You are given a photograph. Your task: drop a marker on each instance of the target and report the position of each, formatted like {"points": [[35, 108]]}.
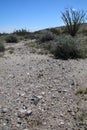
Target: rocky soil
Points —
{"points": [[38, 92]]}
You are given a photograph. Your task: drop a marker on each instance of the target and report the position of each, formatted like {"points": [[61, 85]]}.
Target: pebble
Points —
{"points": [[28, 112], [4, 110], [65, 90], [40, 97], [27, 73], [61, 123], [44, 123], [35, 100], [43, 93]]}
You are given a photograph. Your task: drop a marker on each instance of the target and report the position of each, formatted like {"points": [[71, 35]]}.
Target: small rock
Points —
{"points": [[61, 123], [40, 97], [72, 82], [27, 73], [35, 100], [4, 124], [22, 112], [40, 75], [63, 68], [42, 93], [11, 76], [18, 125], [22, 94], [44, 123], [73, 114], [59, 91], [65, 90], [69, 110], [4, 110], [28, 112], [61, 115]]}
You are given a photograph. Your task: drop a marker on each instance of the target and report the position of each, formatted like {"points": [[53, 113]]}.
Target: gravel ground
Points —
{"points": [[37, 92]]}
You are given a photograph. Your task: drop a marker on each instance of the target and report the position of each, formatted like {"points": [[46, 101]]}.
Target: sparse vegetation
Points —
{"points": [[21, 32], [46, 36], [2, 47], [11, 39], [68, 48], [82, 116], [11, 50], [81, 91], [31, 44], [33, 122]]}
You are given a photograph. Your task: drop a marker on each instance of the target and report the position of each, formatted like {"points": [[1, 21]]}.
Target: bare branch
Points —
{"points": [[73, 19]]}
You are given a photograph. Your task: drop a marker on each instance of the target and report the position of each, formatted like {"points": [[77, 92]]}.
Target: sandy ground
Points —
{"points": [[37, 92]]}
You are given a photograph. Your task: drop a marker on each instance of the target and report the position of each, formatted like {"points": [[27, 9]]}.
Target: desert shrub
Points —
{"points": [[55, 31], [21, 32], [10, 50], [46, 45], [2, 47], [81, 91], [46, 36], [29, 36], [68, 48], [11, 39]]}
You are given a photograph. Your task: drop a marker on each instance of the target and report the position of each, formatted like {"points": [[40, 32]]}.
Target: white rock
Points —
{"points": [[44, 123], [40, 97], [27, 73], [42, 93], [28, 112], [4, 110], [21, 110]]}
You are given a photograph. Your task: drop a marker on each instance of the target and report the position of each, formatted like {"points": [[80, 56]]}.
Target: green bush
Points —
{"points": [[11, 39], [2, 47], [68, 48], [46, 36]]}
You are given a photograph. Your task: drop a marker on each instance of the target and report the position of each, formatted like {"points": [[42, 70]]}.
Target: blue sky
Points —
{"points": [[34, 14]]}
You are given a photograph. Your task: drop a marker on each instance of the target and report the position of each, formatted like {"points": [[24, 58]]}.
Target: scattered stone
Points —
{"points": [[35, 100], [43, 93], [22, 111], [44, 123], [28, 112], [11, 76], [4, 110], [65, 90], [40, 75], [52, 82], [28, 73], [61, 123], [40, 97]]}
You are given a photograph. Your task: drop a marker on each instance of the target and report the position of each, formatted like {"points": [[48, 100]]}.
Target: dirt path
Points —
{"points": [[37, 92]]}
